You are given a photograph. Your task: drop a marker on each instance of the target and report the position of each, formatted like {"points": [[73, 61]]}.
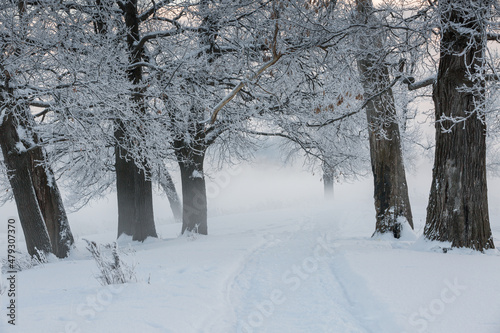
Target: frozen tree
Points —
{"points": [[298, 91], [392, 203], [224, 36], [133, 181], [142, 72], [463, 91], [458, 203], [317, 109], [318, 101], [24, 41], [132, 85], [102, 115]]}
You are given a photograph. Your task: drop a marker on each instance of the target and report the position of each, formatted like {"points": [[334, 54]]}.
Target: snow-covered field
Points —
{"points": [[277, 259]]}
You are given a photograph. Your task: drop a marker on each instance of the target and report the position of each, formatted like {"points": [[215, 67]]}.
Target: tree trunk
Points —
{"points": [[144, 223], [47, 193], [190, 157], [458, 203], [392, 203], [135, 199], [125, 190], [168, 186], [18, 163], [194, 198], [133, 184], [328, 182], [51, 204]]}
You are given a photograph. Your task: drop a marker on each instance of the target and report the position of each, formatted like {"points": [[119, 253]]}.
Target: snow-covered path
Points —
{"points": [[312, 269], [299, 280], [289, 285]]}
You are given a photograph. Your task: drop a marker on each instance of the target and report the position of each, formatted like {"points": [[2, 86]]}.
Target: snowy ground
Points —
{"points": [[277, 260]]}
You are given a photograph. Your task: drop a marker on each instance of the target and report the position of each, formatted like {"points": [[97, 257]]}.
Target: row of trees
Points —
{"points": [[109, 92]]}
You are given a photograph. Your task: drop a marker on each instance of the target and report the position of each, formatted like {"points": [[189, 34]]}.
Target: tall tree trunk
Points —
{"points": [[392, 202], [144, 223], [194, 197], [135, 197], [50, 203], [191, 145], [125, 189], [133, 184], [19, 171], [458, 202], [190, 157], [168, 186]]}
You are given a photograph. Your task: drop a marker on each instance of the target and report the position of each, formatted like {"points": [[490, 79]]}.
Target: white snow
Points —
{"points": [[23, 137], [3, 112], [20, 147], [196, 174], [277, 259]]}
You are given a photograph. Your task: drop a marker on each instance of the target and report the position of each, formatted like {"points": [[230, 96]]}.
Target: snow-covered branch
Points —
{"points": [[240, 86], [152, 10], [412, 85]]}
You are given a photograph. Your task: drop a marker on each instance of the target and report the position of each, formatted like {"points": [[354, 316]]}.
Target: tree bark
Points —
{"points": [[135, 198], [194, 197], [47, 192], [19, 171], [125, 189], [392, 203], [190, 157], [133, 184], [50, 202], [144, 222], [458, 202]]}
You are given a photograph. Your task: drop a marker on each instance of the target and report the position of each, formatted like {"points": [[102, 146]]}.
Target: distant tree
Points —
{"points": [[328, 181]]}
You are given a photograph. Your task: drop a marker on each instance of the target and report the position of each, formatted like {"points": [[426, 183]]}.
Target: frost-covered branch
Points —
{"points": [[240, 86], [412, 85], [153, 9]]}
